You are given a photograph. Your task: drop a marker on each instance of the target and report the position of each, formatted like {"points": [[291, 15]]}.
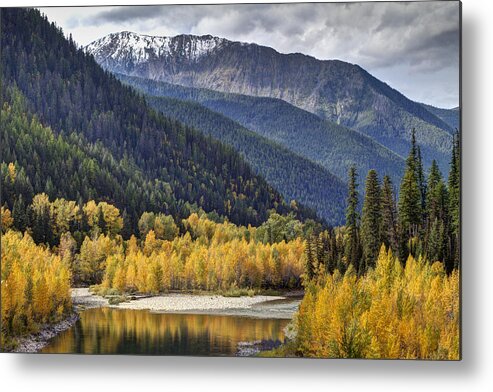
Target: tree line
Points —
{"points": [[422, 221]]}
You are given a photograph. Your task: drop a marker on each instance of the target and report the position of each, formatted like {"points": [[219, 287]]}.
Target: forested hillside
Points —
{"points": [[159, 164], [316, 188], [334, 147], [450, 116]]}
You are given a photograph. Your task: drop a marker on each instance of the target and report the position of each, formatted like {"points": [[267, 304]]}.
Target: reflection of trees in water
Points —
{"points": [[109, 331]]}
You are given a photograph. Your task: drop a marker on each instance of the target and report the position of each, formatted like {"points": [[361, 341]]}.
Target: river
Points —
{"points": [[108, 330]]}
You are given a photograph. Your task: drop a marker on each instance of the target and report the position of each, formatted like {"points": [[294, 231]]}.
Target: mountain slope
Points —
{"points": [[332, 146], [341, 92], [449, 116], [297, 178], [68, 91]]}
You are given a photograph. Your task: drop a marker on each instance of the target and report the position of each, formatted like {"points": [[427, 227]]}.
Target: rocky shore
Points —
{"points": [[82, 298], [251, 349], [35, 342]]}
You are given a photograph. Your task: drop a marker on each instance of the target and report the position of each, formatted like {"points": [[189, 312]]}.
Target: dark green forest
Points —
{"points": [[449, 116], [335, 147], [88, 136], [316, 188]]}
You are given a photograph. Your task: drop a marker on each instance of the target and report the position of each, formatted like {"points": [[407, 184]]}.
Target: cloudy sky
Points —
{"points": [[414, 47]]}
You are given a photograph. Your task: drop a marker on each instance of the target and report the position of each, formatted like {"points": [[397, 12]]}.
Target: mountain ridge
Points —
{"points": [[332, 146], [334, 90], [216, 44]]}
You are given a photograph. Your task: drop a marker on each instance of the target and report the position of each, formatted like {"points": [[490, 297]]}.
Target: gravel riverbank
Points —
{"points": [[189, 302], [173, 302]]}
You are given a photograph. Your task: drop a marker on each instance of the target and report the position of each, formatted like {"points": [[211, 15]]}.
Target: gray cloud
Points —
{"points": [[416, 37], [382, 35]]}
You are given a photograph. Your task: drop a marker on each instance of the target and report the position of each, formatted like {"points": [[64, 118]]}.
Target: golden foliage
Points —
{"points": [[391, 312], [91, 261], [219, 258], [7, 219], [35, 286]]}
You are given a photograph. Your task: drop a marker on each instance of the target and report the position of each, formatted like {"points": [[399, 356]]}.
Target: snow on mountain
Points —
{"points": [[136, 48]]}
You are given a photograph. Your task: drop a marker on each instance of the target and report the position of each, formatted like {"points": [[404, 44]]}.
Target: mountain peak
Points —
{"points": [[130, 47]]}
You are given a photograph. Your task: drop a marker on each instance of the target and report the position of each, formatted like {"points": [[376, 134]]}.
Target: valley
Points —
{"points": [[195, 195]]}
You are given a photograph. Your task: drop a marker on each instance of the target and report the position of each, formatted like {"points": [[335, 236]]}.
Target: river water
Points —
{"points": [[123, 331]]}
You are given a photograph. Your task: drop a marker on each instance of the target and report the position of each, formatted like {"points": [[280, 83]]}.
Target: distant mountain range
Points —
{"points": [[340, 92], [298, 121]]}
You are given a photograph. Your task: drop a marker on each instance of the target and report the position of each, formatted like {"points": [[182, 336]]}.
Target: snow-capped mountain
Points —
{"points": [[335, 90], [129, 49]]}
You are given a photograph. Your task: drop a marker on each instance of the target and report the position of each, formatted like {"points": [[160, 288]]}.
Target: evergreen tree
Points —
{"points": [[434, 178], [41, 219], [410, 203], [389, 230], [454, 186], [421, 181], [436, 246], [101, 221], [310, 258], [19, 214], [371, 220], [437, 218], [454, 201], [352, 246]]}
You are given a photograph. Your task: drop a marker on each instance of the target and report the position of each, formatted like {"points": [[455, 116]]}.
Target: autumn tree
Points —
{"points": [[7, 219]]}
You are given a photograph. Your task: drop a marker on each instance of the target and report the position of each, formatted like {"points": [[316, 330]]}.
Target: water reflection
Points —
{"points": [[119, 331]]}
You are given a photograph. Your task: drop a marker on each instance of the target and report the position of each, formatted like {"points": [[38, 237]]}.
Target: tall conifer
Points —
{"points": [[371, 220], [454, 200], [352, 248], [410, 202], [389, 230]]}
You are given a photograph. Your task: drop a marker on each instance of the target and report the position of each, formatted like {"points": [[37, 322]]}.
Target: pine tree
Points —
{"points": [[433, 179], [310, 258], [371, 220], [101, 221], [19, 214], [389, 229], [41, 219], [438, 221], [421, 181], [436, 246], [454, 201], [352, 246], [454, 185], [410, 203]]}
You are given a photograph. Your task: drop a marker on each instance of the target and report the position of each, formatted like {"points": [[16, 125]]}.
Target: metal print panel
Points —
{"points": [[270, 180]]}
